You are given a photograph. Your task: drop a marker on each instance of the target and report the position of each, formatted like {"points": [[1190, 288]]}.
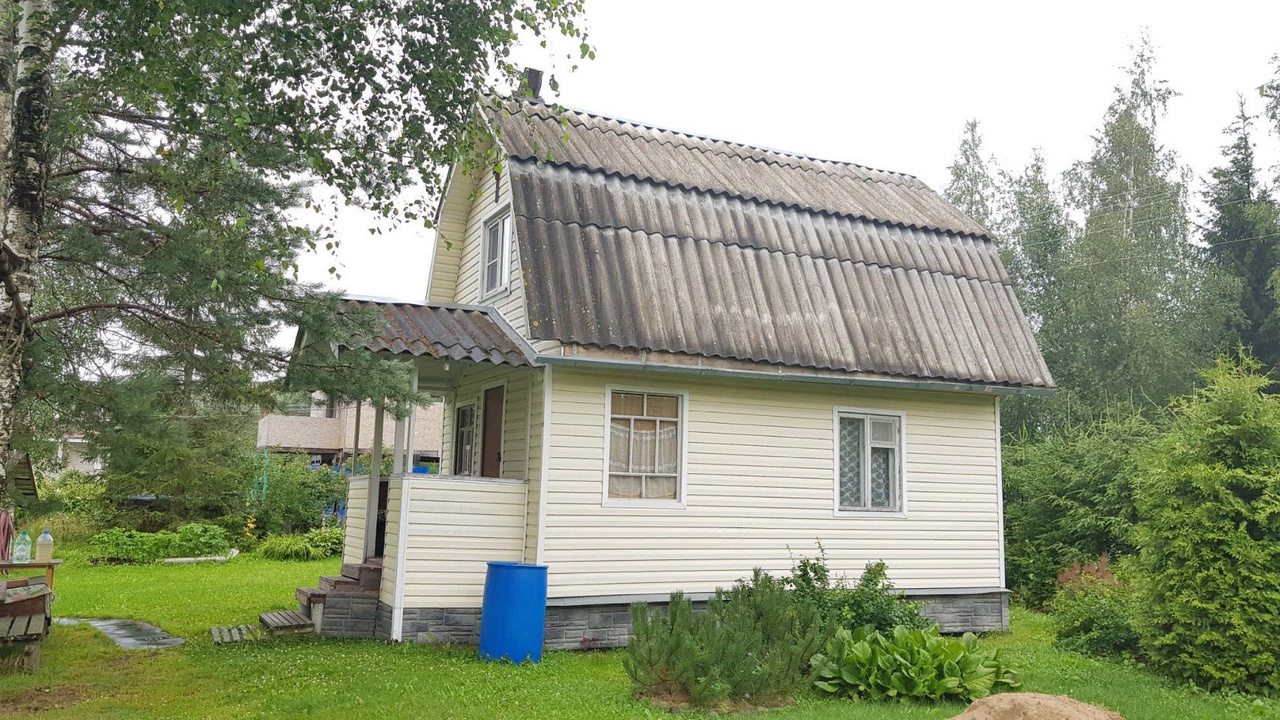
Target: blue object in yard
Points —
{"points": [[514, 612]]}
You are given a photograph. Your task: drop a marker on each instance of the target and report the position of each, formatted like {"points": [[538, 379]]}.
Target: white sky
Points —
{"points": [[888, 85]]}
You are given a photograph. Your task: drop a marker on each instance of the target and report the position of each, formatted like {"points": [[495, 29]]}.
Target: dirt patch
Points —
{"points": [[38, 699], [1034, 706]]}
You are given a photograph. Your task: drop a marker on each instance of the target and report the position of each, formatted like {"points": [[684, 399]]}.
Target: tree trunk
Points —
{"points": [[24, 130]]}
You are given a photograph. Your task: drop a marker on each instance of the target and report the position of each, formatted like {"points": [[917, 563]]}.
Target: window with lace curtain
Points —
{"points": [[644, 446], [868, 462]]}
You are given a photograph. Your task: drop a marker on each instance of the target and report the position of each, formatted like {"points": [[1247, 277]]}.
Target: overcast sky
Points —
{"points": [[888, 85]]}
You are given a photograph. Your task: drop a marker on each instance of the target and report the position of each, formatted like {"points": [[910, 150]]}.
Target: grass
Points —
{"points": [[86, 676]]}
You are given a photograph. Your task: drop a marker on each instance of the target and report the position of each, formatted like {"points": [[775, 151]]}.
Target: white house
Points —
{"points": [[668, 359]]}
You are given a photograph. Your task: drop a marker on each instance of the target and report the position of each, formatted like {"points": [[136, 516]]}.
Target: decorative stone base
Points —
{"points": [[585, 627], [982, 612], [349, 615]]}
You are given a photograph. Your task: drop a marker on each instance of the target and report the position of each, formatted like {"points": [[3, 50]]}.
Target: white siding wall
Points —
{"points": [[760, 460], [455, 271], [357, 502], [515, 426], [455, 527], [391, 552], [535, 467]]}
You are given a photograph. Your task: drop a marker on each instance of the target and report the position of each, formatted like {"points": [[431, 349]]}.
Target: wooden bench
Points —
{"points": [[24, 624]]}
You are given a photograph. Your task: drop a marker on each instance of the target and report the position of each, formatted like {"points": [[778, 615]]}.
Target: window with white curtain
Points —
{"points": [[869, 462], [644, 446], [464, 439]]}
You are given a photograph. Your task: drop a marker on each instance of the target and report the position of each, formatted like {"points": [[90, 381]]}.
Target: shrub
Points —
{"points": [[328, 541], [74, 493], [199, 540], [1069, 497], [871, 601], [289, 547], [1209, 502], [752, 645], [919, 664], [1094, 612], [295, 496], [120, 546]]}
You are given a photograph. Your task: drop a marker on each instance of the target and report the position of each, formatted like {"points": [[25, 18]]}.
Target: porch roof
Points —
{"points": [[447, 331]]}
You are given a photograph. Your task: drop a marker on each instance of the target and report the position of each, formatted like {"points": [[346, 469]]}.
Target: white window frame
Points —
{"points": [[475, 437], [867, 414], [501, 218], [681, 501]]}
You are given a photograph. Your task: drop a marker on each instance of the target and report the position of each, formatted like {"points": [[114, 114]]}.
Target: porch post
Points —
{"points": [[375, 478], [355, 441], [397, 448], [411, 427]]}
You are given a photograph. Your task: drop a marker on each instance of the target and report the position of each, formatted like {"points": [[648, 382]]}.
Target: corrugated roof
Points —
{"points": [[639, 238], [445, 331], [582, 140]]}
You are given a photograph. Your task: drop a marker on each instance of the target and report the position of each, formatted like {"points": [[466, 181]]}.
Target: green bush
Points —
{"points": [[120, 546], [329, 540], [1209, 501], [74, 493], [871, 601], [751, 645], [1094, 612], [289, 547], [917, 664], [1069, 497], [295, 496], [199, 540]]}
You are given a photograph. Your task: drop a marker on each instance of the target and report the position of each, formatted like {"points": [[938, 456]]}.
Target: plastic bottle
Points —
{"points": [[22, 548], [44, 547]]}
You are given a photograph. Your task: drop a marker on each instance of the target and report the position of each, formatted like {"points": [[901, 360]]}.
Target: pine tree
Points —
{"points": [[1244, 238]]}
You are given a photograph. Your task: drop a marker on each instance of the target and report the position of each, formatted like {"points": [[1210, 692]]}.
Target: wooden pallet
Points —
{"points": [[286, 621], [234, 633]]}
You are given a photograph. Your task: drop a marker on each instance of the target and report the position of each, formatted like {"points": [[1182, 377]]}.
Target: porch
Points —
{"points": [[421, 539]]}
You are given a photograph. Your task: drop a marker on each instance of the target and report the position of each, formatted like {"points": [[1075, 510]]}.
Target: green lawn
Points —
{"points": [[85, 676]]}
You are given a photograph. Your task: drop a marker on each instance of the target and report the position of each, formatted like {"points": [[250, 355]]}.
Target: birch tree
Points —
{"points": [[155, 208]]}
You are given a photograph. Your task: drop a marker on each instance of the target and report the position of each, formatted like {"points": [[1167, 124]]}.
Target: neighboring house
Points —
{"points": [[667, 360], [326, 431], [73, 453]]}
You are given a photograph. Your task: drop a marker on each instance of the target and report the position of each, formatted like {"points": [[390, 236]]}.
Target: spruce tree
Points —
{"points": [[1243, 237]]}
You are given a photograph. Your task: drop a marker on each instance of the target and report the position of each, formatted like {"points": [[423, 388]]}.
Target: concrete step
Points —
{"points": [[308, 596], [368, 575], [339, 583]]}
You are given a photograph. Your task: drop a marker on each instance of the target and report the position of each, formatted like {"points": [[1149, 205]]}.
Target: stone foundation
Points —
{"points": [[349, 615], [980, 612], [585, 627]]}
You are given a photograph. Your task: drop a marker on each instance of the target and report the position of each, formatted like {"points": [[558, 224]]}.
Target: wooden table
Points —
{"points": [[47, 566]]}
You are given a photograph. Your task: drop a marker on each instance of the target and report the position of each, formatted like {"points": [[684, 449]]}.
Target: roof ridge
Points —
{"points": [[769, 202], [732, 143], [773, 251]]}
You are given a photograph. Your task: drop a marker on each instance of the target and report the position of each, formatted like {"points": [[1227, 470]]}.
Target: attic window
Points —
{"points": [[495, 256], [868, 462]]}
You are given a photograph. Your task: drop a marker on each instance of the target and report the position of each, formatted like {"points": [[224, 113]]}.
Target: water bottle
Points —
{"points": [[44, 547], [22, 548]]}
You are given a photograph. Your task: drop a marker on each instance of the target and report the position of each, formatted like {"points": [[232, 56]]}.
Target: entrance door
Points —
{"points": [[491, 440], [380, 537]]}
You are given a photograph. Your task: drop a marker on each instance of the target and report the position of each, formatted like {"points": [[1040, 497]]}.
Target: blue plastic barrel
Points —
{"points": [[514, 612]]}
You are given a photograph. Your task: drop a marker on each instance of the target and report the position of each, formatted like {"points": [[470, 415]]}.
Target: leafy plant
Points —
{"points": [[329, 540], [120, 546], [1209, 565], [871, 601], [1094, 612], [199, 540], [289, 547], [751, 645], [919, 664]]}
